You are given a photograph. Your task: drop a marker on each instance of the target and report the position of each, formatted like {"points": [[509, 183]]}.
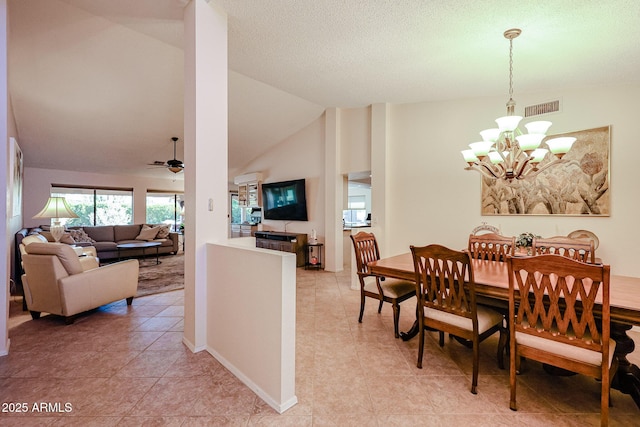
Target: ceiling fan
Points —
{"points": [[174, 165]]}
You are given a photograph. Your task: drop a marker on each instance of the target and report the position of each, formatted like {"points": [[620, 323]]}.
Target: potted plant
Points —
{"points": [[525, 241]]}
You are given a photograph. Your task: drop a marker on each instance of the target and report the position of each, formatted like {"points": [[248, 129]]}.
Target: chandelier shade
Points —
{"points": [[506, 152]]}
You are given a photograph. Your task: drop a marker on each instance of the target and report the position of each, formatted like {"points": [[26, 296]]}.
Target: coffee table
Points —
{"points": [[140, 245]]}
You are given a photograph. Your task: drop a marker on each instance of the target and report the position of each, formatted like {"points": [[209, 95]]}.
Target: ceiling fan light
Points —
{"points": [[175, 169]]}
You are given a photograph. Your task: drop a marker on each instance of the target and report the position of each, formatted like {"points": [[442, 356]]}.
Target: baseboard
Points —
{"points": [[278, 407]]}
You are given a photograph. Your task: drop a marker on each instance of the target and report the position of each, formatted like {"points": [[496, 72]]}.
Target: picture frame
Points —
{"points": [[580, 186], [16, 177]]}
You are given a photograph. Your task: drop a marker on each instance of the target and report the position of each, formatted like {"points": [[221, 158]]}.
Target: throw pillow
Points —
{"points": [[148, 233], [80, 236], [163, 231], [66, 237]]}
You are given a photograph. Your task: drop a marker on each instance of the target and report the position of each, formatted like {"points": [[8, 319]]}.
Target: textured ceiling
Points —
{"points": [[96, 85]]}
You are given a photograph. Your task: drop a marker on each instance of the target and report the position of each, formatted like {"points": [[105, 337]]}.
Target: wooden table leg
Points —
{"points": [[627, 379]]}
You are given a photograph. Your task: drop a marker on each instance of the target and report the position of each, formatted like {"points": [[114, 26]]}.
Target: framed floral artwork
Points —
{"points": [[579, 186]]}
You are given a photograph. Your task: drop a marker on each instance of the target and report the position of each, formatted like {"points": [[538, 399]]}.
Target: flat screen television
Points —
{"points": [[285, 200]]}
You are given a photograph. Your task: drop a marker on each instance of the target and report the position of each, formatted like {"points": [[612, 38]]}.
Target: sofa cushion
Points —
{"points": [[126, 232], [105, 246], [101, 233], [148, 233]]}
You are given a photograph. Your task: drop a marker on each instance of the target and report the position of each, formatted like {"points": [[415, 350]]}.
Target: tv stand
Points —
{"points": [[285, 242]]}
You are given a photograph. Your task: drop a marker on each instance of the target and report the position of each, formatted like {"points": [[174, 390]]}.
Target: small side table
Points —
{"points": [[314, 256]]}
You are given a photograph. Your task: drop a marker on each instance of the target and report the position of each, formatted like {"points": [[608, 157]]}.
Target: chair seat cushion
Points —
{"points": [[392, 288], [565, 350], [487, 318]]}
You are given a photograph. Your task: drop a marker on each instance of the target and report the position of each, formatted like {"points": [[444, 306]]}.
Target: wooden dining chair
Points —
{"points": [[491, 246], [447, 302], [577, 249], [551, 304], [383, 289]]}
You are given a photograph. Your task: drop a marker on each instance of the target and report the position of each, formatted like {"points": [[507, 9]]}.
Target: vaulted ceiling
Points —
{"points": [[96, 85]]}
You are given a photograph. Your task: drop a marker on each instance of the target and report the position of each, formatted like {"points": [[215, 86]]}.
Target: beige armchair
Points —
{"points": [[87, 254], [55, 281]]}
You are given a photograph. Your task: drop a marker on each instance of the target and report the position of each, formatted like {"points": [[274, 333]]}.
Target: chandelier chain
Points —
{"points": [[510, 68]]}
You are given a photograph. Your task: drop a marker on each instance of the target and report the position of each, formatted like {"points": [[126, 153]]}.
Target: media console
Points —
{"points": [[285, 242]]}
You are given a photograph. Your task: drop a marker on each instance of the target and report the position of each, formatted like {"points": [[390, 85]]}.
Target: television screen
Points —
{"points": [[285, 200]]}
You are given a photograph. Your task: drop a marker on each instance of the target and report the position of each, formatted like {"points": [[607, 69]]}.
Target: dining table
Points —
{"points": [[492, 287]]}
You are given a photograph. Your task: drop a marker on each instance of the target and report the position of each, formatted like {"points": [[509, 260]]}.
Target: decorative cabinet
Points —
{"points": [[284, 242], [254, 195], [249, 190], [243, 230], [243, 194]]}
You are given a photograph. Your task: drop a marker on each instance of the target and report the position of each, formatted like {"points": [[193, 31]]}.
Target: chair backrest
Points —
{"points": [[444, 279], [485, 228], [366, 250], [491, 246], [553, 297], [63, 252], [577, 249]]}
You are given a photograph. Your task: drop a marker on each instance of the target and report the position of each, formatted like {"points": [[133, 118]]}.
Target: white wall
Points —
{"points": [[37, 187], [440, 202], [299, 156], [355, 134], [251, 317]]}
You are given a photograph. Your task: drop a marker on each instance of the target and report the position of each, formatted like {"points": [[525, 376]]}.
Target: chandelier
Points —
{"points": [[507, 153]]}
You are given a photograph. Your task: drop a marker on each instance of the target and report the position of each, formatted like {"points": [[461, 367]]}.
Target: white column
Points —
{"points": [[205, 148], [379, 167], [5, 250], [333, 192]]}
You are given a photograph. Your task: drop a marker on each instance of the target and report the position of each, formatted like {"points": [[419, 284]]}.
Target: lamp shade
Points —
{"points": [[56, 207]]}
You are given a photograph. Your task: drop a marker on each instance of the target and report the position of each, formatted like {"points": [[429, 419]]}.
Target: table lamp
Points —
{"points": [[56, 208]]}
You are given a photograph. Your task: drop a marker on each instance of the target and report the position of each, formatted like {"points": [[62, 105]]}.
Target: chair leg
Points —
{"points": [[512, 379], [420, 342], [396, 318], [361, 307], [129, 300], [35, 315], [502, 345], [441, 338], [380, 306], [476, 364]]}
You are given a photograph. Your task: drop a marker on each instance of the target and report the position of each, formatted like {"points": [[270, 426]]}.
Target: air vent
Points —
{"points": [[544, 108]]}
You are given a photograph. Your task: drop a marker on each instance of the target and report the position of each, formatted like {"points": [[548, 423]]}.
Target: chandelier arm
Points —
{"points": [[556, 162], [484, 170], [523, 166]]}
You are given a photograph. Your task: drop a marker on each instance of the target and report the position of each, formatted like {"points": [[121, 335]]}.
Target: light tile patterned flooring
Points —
{"points": [[127, 366]]}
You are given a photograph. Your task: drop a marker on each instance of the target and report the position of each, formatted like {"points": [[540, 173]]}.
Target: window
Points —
{"points": [[165, 208], [357, 212], [97, 206]]}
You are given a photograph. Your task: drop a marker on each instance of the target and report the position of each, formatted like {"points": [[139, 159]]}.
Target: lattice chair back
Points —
{"points": [[491, 246], [577, 249]]}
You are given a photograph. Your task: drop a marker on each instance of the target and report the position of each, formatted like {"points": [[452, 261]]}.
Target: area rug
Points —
{"points": [[164, 277]]}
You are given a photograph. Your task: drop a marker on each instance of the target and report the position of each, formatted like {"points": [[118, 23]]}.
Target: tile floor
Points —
{"points": [[126, 366]]}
